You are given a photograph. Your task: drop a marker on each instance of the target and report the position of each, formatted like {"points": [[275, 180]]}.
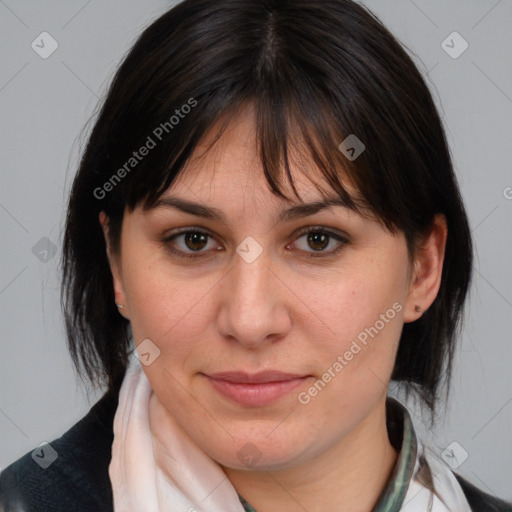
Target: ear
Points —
{"points": [[427, 270], [115, 268]]}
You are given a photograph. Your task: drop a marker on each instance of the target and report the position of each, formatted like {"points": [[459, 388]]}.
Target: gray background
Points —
{"points": [[44, 105]]}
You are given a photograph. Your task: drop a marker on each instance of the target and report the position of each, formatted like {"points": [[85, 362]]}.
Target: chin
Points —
{"points": [[258, 452]]}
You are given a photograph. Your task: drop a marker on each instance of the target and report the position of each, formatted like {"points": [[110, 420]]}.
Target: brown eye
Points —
{"points": [[195, 241], [318, 240], [191, 243]]}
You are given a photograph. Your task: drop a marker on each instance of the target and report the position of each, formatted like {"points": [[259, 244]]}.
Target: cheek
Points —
{"points": [[362, 317], [356, 303], [165, 307], [353, 362]]}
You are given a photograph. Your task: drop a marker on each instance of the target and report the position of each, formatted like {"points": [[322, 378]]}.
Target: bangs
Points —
{"points": [[287, 143]]}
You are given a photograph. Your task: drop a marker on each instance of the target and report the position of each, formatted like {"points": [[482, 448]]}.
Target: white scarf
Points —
{"points": [[197, 483], [139, 485], [448, 495]]}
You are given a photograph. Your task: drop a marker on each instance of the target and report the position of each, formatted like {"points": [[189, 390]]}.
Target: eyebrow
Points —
{"points": [[208, 212]]}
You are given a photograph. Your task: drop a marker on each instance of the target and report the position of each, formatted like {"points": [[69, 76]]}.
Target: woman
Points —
{"points": [[264, 230]]}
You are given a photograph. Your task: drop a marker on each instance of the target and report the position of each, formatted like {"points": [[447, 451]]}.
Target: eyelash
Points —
{"points": [[166, 242]]}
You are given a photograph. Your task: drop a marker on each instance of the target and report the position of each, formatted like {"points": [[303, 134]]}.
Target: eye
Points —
{"points": [[191, 243], [318, 239], [194, 243]]}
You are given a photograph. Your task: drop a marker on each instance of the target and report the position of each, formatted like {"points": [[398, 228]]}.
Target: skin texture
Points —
{"points": [[284, 311]]}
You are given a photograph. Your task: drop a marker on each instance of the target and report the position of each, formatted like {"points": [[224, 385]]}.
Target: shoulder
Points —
{"points": [[77, 479], [480, 501]]}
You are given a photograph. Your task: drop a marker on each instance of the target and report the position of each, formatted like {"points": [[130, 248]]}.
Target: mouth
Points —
{"points": [[255, 390]]}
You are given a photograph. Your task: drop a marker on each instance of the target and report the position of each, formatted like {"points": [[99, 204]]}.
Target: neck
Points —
{"points": [[349, 476]]}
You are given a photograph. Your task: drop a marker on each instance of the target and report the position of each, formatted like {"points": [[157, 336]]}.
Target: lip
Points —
{"points": [[257, 389]]}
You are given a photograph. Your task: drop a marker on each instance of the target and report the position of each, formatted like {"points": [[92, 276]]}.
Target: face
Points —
{"points": [[277, 336]]}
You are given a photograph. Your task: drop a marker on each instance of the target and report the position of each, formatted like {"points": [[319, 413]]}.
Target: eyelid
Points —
{"points": [[324, 229]]}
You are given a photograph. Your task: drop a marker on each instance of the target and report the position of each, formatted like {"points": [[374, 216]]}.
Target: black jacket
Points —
{"points": [[78, 480]]}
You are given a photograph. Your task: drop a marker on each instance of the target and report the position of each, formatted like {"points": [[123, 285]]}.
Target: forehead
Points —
{"points": [[228, 161]]}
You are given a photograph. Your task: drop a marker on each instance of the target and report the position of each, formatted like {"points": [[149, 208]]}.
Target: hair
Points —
{"points": [[315, 72]]}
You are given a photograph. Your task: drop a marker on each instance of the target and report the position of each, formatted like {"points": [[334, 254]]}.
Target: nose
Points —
{"points": [[254, 309]]}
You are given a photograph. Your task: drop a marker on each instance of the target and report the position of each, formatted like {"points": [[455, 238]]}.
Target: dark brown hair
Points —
{"points": [[315, 71]]}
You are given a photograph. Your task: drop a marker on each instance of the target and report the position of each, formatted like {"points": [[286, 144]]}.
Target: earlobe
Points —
{"points": [[427, 270]]}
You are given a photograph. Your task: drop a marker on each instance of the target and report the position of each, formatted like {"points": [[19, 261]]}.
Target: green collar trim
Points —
{"points": [[247, 507], [393, 495]]}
